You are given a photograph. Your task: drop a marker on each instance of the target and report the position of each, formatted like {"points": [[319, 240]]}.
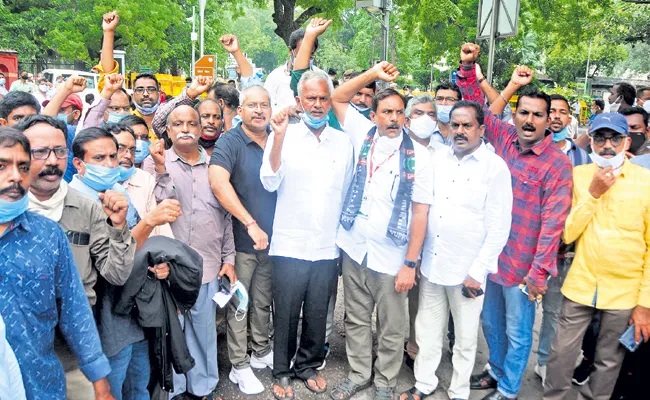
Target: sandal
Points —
{"points": [[347, 389], [414, 391], [285, 384], [315, 389], [384, 393]]}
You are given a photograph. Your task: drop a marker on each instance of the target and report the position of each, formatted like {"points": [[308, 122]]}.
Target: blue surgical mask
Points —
{"points": [[314, 123], [444, 113], [99, 177], [10, 210], [126, 173], [147, 110], [561, 135], [114, 118], [141, 151], [242, 295]]}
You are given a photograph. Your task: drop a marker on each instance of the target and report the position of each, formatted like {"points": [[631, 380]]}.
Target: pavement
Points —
{"points": [[336, 370]]}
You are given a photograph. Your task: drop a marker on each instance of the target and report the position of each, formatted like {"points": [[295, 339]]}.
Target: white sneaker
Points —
{"points": [[247, 381], [541, 372], [262, 362]]}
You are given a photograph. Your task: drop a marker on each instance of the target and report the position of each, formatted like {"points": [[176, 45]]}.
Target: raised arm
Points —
{"points": [[109, 24], [74, 84], [301, 64], [95, 114], [342, 95], [271, 173], [231, 44], [199, 85]]}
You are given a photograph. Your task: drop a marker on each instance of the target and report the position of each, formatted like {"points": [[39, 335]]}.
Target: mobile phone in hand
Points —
{"points": [[466, 292], [627, 339]]}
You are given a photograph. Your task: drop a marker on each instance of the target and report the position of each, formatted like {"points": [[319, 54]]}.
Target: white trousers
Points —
{"points": [[430, 328]]}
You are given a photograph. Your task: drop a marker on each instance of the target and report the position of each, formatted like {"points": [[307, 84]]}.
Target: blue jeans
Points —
{"points": [[508, 317], [130, 371]]}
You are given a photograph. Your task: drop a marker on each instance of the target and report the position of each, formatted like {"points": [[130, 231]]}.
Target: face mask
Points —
{"points": [[3, 81], [43, 88], [100, 178], [63, 118], [188, 85], [638, 138], [314, 123], [561, 135], [242, 295], [423, 127], [615, 162], [147, 110], [23, 77], [365, 111], [141, 151], [126, 173], [387, 145], [10, 210], [444, 113], [114, 118], [646, 105]]}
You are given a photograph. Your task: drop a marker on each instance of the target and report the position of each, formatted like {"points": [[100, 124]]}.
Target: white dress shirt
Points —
{"points": [[368, 233], [469, 222], [11, 381], [140, 188], [278, 85], [311, 183]]}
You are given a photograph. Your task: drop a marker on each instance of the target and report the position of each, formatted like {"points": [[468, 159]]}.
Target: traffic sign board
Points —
{"points": [[204, 66], [507, 12]]}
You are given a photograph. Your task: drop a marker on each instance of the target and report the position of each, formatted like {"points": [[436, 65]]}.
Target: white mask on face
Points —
{"points": [[646, 106], [615, 162], [423, 127], [386, 145], [43, 88]]}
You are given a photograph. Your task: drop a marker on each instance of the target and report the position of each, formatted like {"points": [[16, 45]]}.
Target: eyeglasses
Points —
{"points": [[121, 149], [447, 99], [44, 153], [601, 140], [117, 109], [252, 106], [150, 90]]}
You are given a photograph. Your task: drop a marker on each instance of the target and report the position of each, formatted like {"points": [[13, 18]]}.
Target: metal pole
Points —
{"points": [[202, 19], [387, 7], [587, 71], [493, 34], [431, 79], [193, 41]]}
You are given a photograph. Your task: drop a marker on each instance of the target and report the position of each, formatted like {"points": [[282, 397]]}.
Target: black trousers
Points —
{"points": [[306, 285]]}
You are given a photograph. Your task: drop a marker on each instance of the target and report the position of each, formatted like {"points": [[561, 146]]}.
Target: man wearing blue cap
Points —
{"points": [[610, 220]]}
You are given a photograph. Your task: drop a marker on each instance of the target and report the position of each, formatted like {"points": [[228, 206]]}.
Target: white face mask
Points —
{"points": [[43, 88], [646, 105], [386, 145], [615, 162], [423, 127]]}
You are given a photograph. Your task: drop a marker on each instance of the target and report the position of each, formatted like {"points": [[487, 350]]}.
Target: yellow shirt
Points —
{"points": [[612, 262]]}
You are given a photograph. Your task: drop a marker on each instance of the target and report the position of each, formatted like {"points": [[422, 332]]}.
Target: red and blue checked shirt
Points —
{"points": [[542, 188]]}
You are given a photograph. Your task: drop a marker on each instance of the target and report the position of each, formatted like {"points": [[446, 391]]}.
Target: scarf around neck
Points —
{"points": [[397, 229], [51, 208]]}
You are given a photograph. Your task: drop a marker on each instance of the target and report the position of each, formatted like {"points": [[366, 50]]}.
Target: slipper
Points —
{"points": [[284, 383], [315, 379], [413, 391]]}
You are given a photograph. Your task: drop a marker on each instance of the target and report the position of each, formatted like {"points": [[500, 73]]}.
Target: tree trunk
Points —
{"points": [[284, 11]]}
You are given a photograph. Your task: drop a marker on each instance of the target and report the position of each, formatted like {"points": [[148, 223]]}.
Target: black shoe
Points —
{"points": [[496, 395], [482, 381], [582, 372]]}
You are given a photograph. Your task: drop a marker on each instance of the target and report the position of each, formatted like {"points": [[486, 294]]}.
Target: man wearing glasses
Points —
{"points": [[610, 219], [447, 95]]}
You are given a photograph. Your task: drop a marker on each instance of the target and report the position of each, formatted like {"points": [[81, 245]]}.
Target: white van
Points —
{"points": [[91, 78]]}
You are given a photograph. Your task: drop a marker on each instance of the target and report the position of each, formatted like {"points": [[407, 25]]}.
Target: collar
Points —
{"points": [[325, 135], [478, 153], [540, 147], [20, 221], [173, 156], [73, 199], [134, 180], [239, 130]]}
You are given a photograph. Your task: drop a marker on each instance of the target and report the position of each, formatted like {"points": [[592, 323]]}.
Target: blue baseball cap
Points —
{"points": [[614, 121]]}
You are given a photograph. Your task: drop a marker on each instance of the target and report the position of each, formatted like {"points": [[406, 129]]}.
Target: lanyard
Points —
{"points": [[373, 170]]}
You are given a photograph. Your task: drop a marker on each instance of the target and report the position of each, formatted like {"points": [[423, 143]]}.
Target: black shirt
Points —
{"points": [[242, 157]]}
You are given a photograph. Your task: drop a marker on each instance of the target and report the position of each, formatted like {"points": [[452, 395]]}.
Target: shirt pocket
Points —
{"points": [[35, 291], [627, 210], [531, 193], [474, 196]]}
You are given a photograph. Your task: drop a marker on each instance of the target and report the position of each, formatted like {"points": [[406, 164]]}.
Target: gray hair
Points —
{"points": [[244, 93], [316, 75], [419, 99]]}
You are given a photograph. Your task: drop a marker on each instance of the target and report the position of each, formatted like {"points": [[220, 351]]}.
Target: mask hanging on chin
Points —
{"points": [[615, 162], [561, 135]]}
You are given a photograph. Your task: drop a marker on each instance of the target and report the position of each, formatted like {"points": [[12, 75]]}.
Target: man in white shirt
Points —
{"points": [[279, 80], [309, 165], [469, 224], [382, 229]]}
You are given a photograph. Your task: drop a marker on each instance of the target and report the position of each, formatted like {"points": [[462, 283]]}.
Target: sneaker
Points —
{"points": [[582, 372], [262, 362], [540, 370], [246, 380]]}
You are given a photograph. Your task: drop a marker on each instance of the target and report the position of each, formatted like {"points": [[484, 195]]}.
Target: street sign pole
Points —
{"points": [[387, 8], [193, 38], [202, 19], [493, 36]]}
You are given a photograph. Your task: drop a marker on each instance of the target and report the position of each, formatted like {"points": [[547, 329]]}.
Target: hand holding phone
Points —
{"points": [[627, 339]]}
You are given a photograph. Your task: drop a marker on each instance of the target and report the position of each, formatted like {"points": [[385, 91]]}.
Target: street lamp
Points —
{"points": [[193, 38], [202, 19], [385, 6]]}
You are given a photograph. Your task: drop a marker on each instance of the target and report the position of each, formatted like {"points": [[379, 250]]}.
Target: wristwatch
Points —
{"points": [[410, 264]]}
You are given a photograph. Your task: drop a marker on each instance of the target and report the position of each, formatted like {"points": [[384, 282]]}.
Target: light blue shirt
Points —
{"points": [[643, 160], [11, 382]]}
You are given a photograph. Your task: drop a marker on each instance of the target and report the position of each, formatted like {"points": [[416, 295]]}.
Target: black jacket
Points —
{"points": [[155, 302]]}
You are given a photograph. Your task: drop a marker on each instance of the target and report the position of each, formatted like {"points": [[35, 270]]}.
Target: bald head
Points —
{"points": [[183, 126]]}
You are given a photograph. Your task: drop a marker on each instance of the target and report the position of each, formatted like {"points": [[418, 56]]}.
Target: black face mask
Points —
{"points": [[207, 144], [638, 139], [23, 77]]}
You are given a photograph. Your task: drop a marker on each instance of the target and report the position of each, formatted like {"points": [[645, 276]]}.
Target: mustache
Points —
{"points": [[461, 136], [185, 135], [607, 152], [393, 126], [14, 187], [51, 170], [528, 128]]}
